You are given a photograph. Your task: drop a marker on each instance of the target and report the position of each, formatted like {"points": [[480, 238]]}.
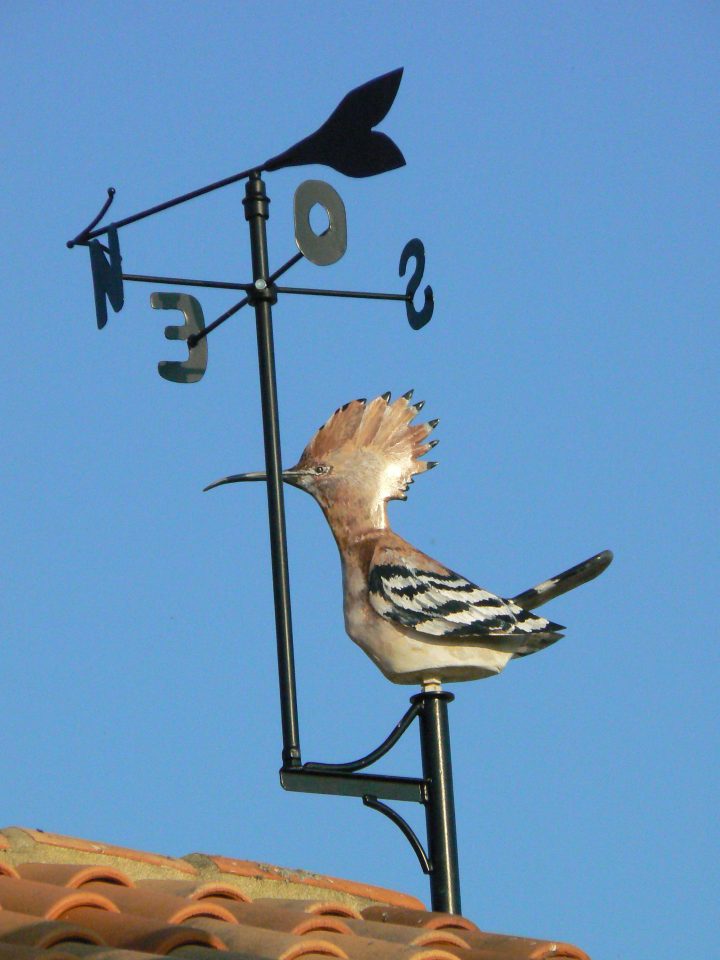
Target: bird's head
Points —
{"points": [[365, 449], [366, 453]]}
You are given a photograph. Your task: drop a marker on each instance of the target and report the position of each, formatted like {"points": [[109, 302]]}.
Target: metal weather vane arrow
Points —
{"points": [[346, 142]]}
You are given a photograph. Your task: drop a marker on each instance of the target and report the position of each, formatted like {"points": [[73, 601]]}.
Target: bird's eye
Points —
{"points": [[322, 468]]}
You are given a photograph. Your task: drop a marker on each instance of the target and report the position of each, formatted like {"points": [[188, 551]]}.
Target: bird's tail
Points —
{"points": [[567, 580], [554, 587]]}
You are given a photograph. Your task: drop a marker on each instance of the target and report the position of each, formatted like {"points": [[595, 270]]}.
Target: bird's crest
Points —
{"points": [[377, 430]]}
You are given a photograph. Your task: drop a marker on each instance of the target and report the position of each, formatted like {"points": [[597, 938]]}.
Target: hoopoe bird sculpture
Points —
{"points": [[418, 620]]}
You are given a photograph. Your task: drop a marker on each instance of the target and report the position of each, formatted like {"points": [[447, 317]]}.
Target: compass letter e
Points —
{"points": [[192, 369]]}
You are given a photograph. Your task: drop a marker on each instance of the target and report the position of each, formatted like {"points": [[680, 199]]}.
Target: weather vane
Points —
{"points": [[419, 622]]}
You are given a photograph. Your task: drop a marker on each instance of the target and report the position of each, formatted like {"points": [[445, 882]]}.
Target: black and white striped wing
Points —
{"points": [[447, 605]]}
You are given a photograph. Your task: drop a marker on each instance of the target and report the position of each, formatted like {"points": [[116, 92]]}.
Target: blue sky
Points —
{"points": [[562, 173]]}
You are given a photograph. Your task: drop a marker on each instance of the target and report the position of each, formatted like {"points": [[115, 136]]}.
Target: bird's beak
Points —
{"points": [[289, 476]]}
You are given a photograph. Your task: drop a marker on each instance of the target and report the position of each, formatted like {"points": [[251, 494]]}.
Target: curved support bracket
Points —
{"points": [[376, 754], [404, 826]]}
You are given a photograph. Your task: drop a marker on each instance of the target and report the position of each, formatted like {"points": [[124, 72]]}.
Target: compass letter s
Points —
{"points": [[192, 369], [416, 318]]}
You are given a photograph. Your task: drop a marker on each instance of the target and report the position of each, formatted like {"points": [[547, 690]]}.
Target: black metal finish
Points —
{"points": [[374, 755], [346, 141], [440, 806], [405, 827], [416, 318], [302, 780], [256, 213], [186, 282], [311, 291], [434, 791], [85, 235], [88, 233], [107, 275], [214, 284], [238, 306]]}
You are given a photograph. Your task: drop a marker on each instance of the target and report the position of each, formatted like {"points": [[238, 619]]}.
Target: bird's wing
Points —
{"points": [[410, 589]]}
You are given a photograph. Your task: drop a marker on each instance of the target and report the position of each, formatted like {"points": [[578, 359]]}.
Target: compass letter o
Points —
{"points": [[327, 247], [192, 369]]}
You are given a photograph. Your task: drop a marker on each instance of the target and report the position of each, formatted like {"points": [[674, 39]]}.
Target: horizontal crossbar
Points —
{"points": [[353, 784]]}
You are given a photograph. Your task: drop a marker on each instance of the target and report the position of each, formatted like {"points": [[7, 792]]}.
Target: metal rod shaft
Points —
{"points": [[440, 804], [219, 284], [186, 282], [195, 338], [256, 205], [89, 234], [358, 294]]}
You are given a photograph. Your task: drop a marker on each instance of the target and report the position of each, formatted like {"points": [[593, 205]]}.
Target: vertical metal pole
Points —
{"points": [[256, 205], [440, 806]]}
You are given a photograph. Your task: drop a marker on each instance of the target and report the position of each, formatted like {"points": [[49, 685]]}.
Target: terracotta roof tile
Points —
{"points": [[271, 944], [33, 931], [45, 899], [424, 919], [287, 919], [13, 951], [133, 932], [194, 891], [394, 932], [63, 898], [325, 908], [71, 875]]}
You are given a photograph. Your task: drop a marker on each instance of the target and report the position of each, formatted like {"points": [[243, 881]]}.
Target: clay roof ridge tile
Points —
{"points": [[328, 908], [418, 937], [282, 919], [263, 871], [195, 890], [71, 875], [25, 837], [427, 919]]}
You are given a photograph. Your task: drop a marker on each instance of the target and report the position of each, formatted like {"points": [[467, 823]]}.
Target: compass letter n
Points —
{"points": [[107, 276]]}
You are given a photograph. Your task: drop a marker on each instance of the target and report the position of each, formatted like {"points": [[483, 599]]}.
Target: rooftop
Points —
{"points": [[63, 898]]}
